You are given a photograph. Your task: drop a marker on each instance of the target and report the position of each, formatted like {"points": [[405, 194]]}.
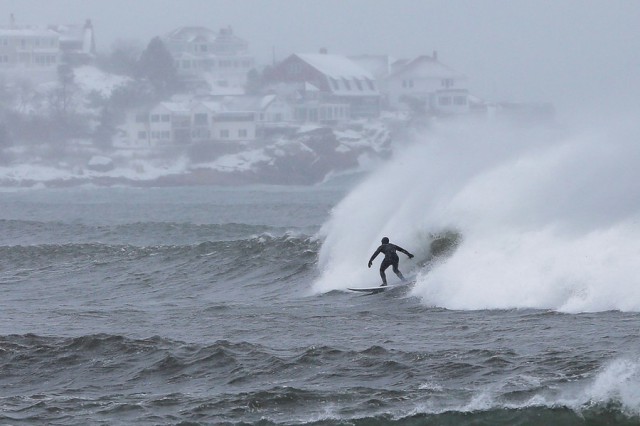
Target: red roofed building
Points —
{"points": [[337, 80]]}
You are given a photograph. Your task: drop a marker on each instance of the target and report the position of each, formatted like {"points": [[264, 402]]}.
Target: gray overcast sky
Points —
{"points": [[575, 53]]}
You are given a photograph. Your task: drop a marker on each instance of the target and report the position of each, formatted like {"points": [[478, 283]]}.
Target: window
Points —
{"points": [[294, 69], [447, 82], [334, 83], [165, 134], [347, 84], [165, 117], [224, 134], [370, 84], [242, 133], [358, 85], [459, 100], [142, 135], [142, 118], [200, 119], [155, 118], [444, 101]]}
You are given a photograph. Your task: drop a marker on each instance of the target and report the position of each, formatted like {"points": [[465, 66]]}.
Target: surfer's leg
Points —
{"points": [[384, 265], [397, 271]]}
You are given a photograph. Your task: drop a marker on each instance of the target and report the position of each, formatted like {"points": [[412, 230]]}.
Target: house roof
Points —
{"points": [[28, 32], [335, 66], [191, 34], [424, 67], [175, 107], [248, 103], [345, 77]]}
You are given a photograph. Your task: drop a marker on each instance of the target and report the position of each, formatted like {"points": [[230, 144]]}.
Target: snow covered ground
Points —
{"points": [[310, 156]]}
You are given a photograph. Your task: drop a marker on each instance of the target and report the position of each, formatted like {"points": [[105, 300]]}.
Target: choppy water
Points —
{"points": [[197, 306]]}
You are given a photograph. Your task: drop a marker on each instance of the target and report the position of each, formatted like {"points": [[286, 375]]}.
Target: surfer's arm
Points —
{"points": [[400, 249], [373, 256]]}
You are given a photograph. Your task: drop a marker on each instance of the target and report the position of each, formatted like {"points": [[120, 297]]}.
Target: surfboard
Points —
{"points": [[370, 289], [378, 289]]}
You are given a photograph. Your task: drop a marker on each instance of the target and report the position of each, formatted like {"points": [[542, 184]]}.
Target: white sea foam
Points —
{"points": [[548, 220]]}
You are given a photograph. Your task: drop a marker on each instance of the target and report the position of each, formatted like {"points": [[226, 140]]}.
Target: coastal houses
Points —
{"points": [[204, 57], [423, 83]]}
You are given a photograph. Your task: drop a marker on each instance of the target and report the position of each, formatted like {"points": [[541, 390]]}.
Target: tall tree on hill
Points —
{"points": [[157, 65]]}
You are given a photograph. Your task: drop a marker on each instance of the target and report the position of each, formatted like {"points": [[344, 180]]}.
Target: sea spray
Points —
{"points": [[547, 219]]}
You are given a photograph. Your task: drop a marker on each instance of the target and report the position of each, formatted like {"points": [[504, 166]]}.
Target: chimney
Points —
{"points": [[12, 21], [435, 55], [323, 51]]}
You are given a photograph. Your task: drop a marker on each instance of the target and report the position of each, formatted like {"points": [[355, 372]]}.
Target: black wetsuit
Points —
{"points": [[390, 259]]}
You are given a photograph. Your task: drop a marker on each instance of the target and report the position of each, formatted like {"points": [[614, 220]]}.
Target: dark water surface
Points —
{"points": [[194, 306]]}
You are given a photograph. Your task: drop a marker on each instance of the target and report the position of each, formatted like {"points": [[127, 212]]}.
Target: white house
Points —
{"points": [[420, 80], [450, 101], [29, 52], [225, 123], [180, 123], [77, 42], [34, 53], [166, 123], [203, 56]]}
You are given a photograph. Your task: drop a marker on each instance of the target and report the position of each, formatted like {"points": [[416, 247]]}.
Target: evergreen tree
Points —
{"points": [[157, 65], [254, 82]]}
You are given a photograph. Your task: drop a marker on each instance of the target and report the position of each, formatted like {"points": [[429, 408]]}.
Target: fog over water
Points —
{"points": [[577, 54]]}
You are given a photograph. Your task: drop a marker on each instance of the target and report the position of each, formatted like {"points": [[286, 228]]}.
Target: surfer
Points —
{"points": [[390, 259]]}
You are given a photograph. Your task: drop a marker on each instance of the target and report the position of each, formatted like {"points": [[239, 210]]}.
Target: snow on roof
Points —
{"points": [[335, 66], [176, 107], [191, 34], [28, 32], [426, 67], [266, 101], [243, 103], [69, 32], [213, 106]]}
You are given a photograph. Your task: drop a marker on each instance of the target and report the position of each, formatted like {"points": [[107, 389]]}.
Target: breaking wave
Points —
{"points": [[545, 218]]}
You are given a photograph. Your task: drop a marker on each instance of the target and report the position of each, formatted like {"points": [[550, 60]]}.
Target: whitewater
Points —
{"points": [[208, 305], [547, 219]]}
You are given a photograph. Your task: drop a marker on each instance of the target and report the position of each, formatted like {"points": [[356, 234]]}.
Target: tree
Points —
{"points": [[106, 129], [62, 96], [254, 82], [157, 65], [123, 58]]}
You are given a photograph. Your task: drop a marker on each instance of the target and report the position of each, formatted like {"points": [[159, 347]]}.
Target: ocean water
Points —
{"points": [[203, 306]]}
